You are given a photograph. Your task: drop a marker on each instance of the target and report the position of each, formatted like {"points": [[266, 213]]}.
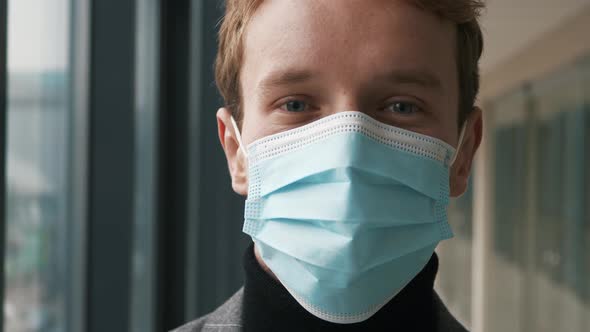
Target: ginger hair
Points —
{"points": [[463, 13]]}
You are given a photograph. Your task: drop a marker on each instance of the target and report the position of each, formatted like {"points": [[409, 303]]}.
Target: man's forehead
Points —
{"points": [[287, 41], [347, 16]]}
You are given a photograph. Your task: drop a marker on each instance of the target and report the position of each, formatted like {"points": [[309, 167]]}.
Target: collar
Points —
{"points": [[267, 306]]}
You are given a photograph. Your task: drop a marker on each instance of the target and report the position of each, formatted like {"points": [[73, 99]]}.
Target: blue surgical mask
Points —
{"points": [[346, 211]]}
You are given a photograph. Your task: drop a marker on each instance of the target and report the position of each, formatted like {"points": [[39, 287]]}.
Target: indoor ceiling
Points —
{"points": [[510, 25]]}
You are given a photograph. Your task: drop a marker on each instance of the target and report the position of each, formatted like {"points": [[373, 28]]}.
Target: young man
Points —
{"points": [[348, 125]]}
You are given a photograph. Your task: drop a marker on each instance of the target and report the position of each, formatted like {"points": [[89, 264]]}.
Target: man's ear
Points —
{"points": [[236, 160], [461, 169]]}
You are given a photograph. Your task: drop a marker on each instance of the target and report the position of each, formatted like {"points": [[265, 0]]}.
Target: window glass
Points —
{"points": [[510, 133], [560, 242], [510, 179], [542, 225], [144, 251], [38, 233]]}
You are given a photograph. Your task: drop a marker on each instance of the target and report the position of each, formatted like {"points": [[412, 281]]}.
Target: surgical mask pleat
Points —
{"points": [[356, 251], [341, 292], [344, 202], [350, 150]]}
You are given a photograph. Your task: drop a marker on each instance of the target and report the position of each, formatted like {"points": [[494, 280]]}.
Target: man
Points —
{"points": [[348, 124]]}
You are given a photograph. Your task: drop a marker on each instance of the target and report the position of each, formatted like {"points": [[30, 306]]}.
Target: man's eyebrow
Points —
{"points": [[413, 77], [284, 78], [281, 78]]}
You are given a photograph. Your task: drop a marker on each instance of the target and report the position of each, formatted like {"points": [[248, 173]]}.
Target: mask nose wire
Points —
{"points": [[461, 138], [241, 144], [238, 136]]}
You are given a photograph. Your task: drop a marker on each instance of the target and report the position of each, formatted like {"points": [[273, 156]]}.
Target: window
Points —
{"points": [[541, 228], [106, 214], [39, 268], [560, 243], [144, 249], [510, 170]]}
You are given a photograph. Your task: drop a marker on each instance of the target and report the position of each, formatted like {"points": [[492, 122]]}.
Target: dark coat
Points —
{"points": [[227, 318]]}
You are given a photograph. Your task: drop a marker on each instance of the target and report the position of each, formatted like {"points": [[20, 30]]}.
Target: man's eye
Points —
{"points": [[403, 108], [295, 106]]}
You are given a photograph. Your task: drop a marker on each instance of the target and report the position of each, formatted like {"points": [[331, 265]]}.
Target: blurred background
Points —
{"points": [[118, 212]]}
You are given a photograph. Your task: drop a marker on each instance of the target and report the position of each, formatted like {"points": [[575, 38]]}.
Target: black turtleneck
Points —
{"points": [[267, 306]]}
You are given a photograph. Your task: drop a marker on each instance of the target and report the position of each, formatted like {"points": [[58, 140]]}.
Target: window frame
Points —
{"points": [[3, 133], [111, 160]]}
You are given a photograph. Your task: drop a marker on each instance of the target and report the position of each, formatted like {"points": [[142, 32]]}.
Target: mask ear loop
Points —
{"points": [[238, 136], [461, 138]]}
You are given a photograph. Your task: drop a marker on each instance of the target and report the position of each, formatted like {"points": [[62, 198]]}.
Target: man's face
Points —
{"points": [[307, 59]]}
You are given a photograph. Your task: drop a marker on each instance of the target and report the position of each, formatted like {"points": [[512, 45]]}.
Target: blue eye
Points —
{"points": [[403, 108], [295, 106]]}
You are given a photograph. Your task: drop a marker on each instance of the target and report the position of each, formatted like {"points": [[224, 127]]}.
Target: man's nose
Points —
{"points": [[347, 100]]}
